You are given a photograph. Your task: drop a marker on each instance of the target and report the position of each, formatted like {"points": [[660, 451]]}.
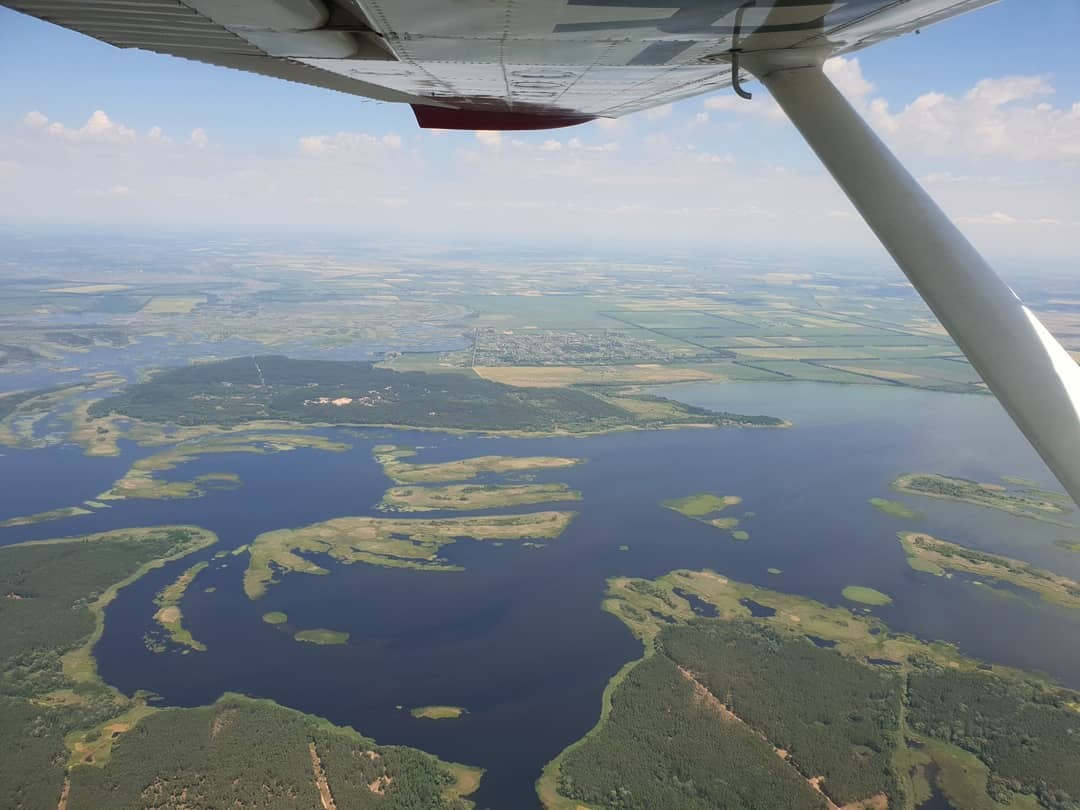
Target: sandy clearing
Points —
{"points": [[323, 786]]}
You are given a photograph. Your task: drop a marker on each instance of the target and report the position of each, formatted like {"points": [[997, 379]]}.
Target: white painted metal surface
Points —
{"points": [[539, 57], [1033, 377]]}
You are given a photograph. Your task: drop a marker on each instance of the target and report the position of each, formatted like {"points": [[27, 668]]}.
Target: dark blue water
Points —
{"points": [[519, 638]]}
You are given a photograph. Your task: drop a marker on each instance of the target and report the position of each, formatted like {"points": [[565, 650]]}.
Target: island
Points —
{"points": [[866, 596], [932, 555], [390, 542], [275, 617], [241, 390], [44, 517], [437, 712], [83, 745], [706, 507], [473, 496], [894, 508], [1068, 545], [170, 617], [1036, 504], [392, 458], [732, 702], [320, 635], [142, 481]]}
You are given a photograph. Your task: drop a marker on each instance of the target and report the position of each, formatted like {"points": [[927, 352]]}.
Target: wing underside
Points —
{"points": [[512, 61]]}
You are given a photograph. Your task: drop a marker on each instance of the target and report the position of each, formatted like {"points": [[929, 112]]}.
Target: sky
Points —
{"points": [[984, 109]]}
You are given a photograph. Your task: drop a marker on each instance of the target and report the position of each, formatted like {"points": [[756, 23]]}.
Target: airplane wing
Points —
{"points": [[495, 64]]}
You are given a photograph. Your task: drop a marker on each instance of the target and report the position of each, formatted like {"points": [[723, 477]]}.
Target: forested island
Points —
{"points": [[809, 707], [1038, 504], [233, 392], [932, 555], [76, 743]]}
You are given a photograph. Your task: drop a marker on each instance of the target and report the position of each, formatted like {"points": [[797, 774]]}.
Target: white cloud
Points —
{"points": [[659, 113], [198, 138], [35, 119], [489, 138], [155, 135], [1000, 218], [1004, 118], [847, 75], [551, 145], [98, 128], [346, 143], [726, 159], [120, 191]]}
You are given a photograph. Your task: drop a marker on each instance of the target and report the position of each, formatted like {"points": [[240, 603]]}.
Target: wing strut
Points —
{"points": [[1032, 375]]}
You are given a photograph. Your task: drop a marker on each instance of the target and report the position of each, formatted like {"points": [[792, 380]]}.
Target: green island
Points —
{"points": [[1037, 504], [810, 707], [391, 457], [170, 617], [437, 712], [391, 542], [894, 508], [273, 387], [706, 508], [82, 745], [1068, 545], [866, 596], [320, 635], [275, 617], [932, 555], [141, 482], [473, 496], [775, 571], [44, 517]]}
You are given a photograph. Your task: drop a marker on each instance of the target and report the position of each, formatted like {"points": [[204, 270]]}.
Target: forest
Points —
{"points": [[254, 753], [830, 712], [239, 750], [846, 732], [231, 392], [45, 593], [664, 746], [1026, 731]]}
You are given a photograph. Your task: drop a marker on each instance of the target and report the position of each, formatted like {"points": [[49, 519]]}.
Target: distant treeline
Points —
{"points": [[231, 392]]}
